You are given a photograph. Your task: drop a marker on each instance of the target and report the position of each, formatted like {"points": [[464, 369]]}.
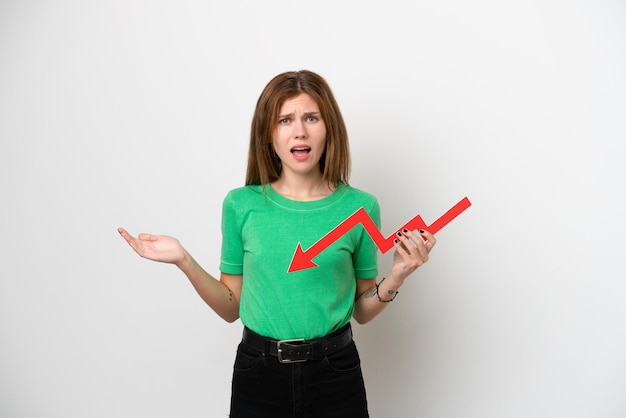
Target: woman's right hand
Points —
{"points": [[155, 247]]}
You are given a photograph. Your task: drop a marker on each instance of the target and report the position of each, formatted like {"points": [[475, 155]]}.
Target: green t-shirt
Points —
{"points": [[260, 232]]}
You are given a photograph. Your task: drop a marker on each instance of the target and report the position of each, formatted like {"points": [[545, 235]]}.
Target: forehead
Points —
{"points": [[302, 102]]}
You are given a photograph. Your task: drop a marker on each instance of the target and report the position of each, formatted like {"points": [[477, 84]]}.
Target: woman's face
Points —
{"points": [[300, 136]]}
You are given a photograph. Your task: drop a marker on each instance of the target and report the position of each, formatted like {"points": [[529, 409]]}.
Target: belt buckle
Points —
{"points": [[292, 343]]}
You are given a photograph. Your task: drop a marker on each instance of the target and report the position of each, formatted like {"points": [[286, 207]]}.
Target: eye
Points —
{"points": [[283, 121], [312, 118]]}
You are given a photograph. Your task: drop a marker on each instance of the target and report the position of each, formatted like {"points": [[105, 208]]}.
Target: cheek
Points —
{"points": [[275, 142], [324, 144], [278, 139], [321, 135]]}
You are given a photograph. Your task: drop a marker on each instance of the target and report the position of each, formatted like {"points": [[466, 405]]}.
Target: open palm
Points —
{"points": [[155, 247]]}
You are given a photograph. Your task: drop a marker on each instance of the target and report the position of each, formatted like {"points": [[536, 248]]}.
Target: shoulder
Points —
{"points": [[364, 198], [358, 192], [245, 196], [245, 192]]}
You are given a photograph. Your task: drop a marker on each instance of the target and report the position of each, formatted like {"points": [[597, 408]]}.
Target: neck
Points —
{"points": [[305, 188]]}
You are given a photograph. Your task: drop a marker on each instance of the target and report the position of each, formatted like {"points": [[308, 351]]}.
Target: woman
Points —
{"points": [[297, 356]]}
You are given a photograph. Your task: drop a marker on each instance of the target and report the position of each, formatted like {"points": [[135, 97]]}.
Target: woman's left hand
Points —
{"points": [[411, 252]]}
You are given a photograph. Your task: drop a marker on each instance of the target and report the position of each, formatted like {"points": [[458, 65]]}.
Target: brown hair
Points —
{"points": [[264, 166]]}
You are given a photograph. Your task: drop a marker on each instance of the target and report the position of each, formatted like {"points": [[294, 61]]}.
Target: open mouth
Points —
{"points": [[300, 151]]}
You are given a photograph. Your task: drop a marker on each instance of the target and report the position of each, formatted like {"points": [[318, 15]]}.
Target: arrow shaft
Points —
{"points": [[384, 244], [337, 232], [452, 213]]}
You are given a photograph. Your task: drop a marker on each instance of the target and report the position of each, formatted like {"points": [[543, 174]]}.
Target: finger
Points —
{"points": [[404, 240], [421, 248], [412, 240], [147, 237], [125, 234], [134, 243], [401, 248], [410, 259], [413, 250], [417, 247], [430, 239], [421, 237]]}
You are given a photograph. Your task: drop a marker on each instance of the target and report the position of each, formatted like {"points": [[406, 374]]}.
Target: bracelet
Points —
{"points": [[378, 295]]}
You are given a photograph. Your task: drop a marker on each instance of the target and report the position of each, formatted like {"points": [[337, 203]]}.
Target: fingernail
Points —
{"points": [[399, 234], [405, 230], [395, 241], [422, 231]]}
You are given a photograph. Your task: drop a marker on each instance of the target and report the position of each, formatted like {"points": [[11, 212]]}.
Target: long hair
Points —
{"points": [[264, 166]]}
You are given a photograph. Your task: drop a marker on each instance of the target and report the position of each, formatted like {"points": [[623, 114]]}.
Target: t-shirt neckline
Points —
{"points": [[281, 200]]}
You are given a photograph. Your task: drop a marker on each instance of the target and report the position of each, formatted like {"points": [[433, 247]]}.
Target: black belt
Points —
{"points": [[298, 350]]}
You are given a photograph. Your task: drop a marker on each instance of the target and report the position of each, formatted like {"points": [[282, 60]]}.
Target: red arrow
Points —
{"points": [[304, 259]]}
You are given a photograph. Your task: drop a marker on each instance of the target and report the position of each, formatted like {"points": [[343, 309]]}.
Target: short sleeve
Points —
{"points": [[366, 254], [231, 261]]}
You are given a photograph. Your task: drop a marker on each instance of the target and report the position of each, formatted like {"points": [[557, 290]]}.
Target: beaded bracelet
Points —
{"points": [[378, 295]]}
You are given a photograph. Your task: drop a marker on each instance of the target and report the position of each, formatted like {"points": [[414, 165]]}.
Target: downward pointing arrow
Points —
{"points": [[304, 259]]}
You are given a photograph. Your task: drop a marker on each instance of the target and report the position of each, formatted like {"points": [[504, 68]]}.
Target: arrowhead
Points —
{"points": [[300, 261]]}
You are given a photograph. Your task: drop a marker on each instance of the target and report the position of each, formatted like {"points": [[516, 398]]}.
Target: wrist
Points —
{"points": [[396, 281], [387, 289], [185, 261]]}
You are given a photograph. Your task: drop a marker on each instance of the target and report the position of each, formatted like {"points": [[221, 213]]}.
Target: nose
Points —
{"points": [[299, 130]]}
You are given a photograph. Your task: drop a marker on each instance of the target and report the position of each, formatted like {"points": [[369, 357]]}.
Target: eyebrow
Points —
{"points": [[289, 115]]}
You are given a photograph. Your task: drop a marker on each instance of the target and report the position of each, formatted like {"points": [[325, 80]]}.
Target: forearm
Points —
{"points": [[215, 293], [372, 302]]}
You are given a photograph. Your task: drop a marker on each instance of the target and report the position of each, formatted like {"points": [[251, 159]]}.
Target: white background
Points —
{"points": [[136, 114]]}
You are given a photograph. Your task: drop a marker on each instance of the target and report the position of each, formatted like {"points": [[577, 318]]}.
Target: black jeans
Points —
{"points": [[332, 387]]}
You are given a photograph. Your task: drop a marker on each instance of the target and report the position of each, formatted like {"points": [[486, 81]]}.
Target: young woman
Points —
{"points": [[297, 357]]}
